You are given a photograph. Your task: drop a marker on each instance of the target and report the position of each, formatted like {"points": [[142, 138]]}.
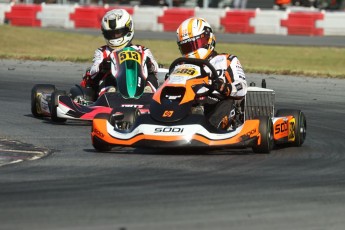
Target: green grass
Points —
{"points": [[42, 44]]}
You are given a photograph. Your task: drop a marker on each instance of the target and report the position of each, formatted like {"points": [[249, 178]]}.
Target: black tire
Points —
{"points": [[300, 129], [266, 132], [39, 88], [100, 145], [54, 104]]}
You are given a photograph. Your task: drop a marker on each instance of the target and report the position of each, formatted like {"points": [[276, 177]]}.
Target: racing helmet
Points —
{"points": [[195, 38], [117, 28]]}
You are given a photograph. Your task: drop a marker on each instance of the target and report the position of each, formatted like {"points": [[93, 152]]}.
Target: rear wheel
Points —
{"points": [[54, 104], [266, 132], [35, 92], [300, 126]]}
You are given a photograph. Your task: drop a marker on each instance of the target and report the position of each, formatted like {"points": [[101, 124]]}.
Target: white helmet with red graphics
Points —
{"points": [[117, 28], [195, 38]]}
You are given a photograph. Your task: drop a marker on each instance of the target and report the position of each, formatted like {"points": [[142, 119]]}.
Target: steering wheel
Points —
{"points": [[195, 61]]}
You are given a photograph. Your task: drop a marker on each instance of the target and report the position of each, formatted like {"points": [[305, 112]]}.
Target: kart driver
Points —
{"points": [[118, 31], [195, 39]]}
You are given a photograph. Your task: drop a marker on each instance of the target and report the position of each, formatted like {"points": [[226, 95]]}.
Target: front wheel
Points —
{"points": [[266, 133], [299, 128], [36, 93], [100, 145], [97, 142]]}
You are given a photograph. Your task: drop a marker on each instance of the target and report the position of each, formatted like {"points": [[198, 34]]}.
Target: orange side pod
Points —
{"points": [[280, 129]]}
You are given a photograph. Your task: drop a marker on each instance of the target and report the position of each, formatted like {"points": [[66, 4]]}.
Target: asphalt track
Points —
{"points": [[74, 187], [262, 39]]}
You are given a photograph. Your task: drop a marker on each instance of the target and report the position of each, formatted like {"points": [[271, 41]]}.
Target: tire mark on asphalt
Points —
{"points": [[13, 151]]}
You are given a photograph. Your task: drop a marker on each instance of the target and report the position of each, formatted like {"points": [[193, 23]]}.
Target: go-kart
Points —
{"points": [[82, 104], [175, 119]]}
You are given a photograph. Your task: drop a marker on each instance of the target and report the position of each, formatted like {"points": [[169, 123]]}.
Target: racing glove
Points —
{"points": [[105, 65], [87, 80], [222, 87]]}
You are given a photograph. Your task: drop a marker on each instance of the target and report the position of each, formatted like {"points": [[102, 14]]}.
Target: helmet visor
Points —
{"points": [[191, 44], [113, 34]]}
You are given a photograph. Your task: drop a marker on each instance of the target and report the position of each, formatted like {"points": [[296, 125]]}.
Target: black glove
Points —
{"points": [[223, 88], [218, 85], [105, 65]]}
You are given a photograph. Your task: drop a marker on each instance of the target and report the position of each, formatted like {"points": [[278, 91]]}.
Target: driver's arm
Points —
{"points": [[233, 83], [152, 68]]}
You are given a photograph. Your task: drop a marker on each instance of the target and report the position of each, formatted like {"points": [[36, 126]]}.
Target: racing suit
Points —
{"points": [[99, 76], [232, 85]]}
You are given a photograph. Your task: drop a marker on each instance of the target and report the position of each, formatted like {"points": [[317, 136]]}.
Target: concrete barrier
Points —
{"points": [[310, 22], [87, 17], [332, 24], [24, 15], [56, 16], [238, 21], [268, 22], [212, 16], [4, 8], [303, 23], [172, 17], [145, 17]]}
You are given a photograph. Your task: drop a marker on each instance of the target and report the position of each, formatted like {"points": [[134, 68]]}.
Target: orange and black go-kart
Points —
{"points": [[176, 118], [81, 103]]}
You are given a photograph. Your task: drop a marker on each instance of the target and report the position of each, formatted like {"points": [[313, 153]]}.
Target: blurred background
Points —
{"points": [[243, 4]]}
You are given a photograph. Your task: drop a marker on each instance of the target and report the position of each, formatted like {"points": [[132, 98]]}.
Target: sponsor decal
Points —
{"points": [[238, 64], [238, 86], [218, 61], [281, 128], [172, 97], [292, 136], [168, 113], [139, 81], [43, 105], [129, 55], [132, 106], [213, 98], [251, 132], [192, 39], [98, 133], [185, 71], [168, 130]]}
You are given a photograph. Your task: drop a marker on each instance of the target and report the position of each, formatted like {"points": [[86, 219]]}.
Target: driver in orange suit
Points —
{"points": [[195, 39]]}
